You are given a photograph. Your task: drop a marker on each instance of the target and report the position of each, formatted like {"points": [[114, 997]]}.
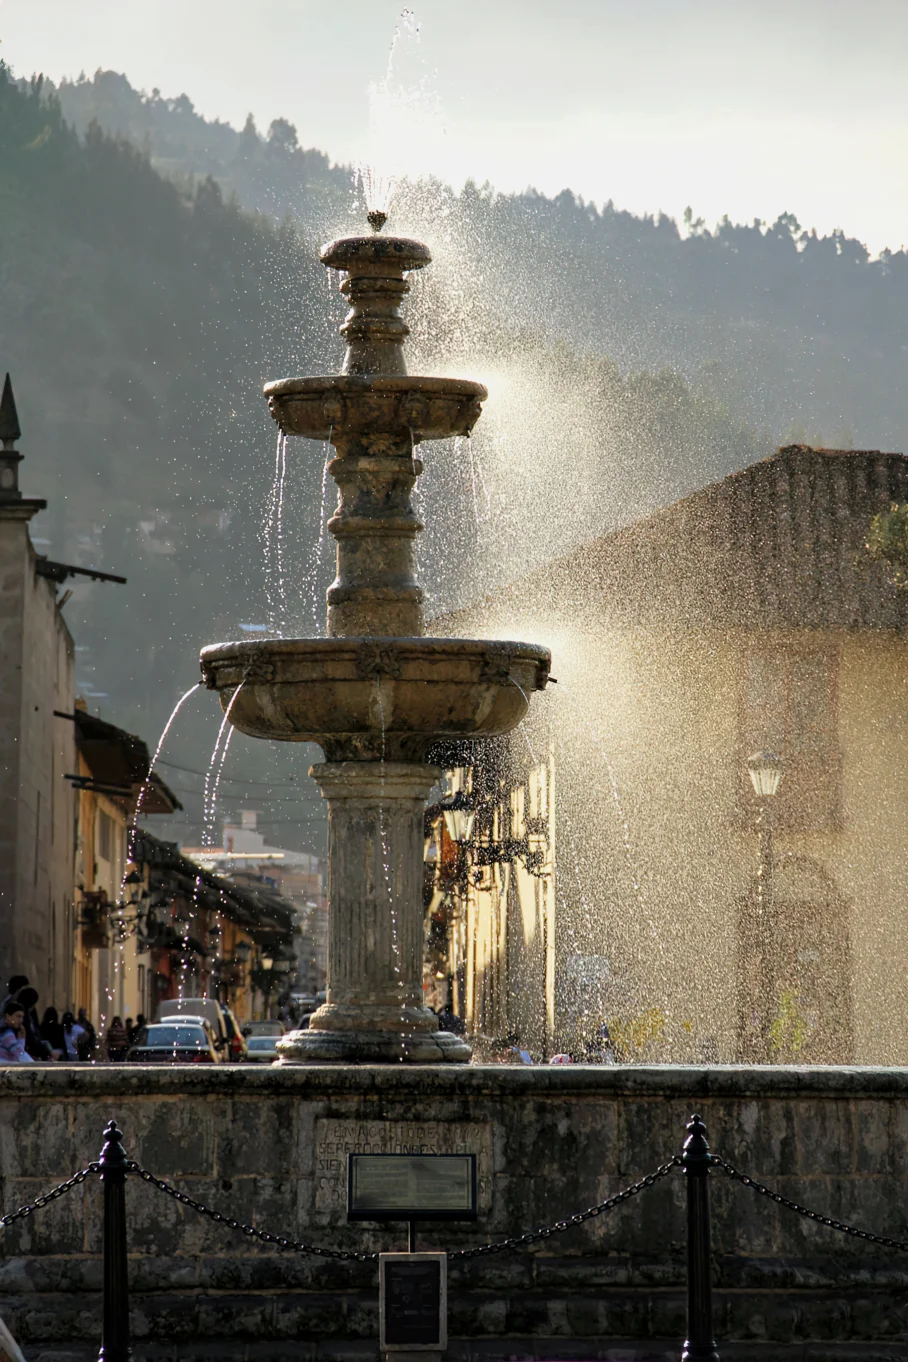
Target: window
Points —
{"points": [[105, 836], [790, 707]]}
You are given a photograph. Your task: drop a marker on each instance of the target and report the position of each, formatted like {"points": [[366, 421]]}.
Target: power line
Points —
{"points": [[233, 780], [304, 796]]}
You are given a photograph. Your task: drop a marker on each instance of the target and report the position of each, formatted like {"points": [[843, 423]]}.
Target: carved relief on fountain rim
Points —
{"points": [[412, 408]]}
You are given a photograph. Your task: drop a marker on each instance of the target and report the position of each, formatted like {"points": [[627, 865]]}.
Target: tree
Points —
{"points": [[282, 136], [887, 542]]}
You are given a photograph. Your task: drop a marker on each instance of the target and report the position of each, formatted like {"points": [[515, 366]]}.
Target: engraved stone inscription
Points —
{"points": [[334, 1140]]}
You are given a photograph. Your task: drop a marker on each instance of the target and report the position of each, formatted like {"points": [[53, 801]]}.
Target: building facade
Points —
{"points": [[247, 859], [746, 617], [36, 746]]}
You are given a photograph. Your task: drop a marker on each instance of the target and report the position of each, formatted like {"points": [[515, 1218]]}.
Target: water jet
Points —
{"points": [[375, 692]]}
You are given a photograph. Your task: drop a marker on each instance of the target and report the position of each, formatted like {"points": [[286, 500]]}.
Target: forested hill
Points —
{"points": [[800, 333], [141, 311], [269, 172]]}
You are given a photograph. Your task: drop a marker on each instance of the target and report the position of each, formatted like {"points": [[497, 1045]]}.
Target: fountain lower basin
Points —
{"points": [[414, 409], [364, 699]]}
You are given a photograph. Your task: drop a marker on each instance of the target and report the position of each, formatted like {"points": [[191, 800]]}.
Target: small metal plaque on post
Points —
{"points": [[413, 1296], [411, 1187]]}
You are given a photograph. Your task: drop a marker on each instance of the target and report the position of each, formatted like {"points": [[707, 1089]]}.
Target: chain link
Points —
{"points": [[522, 1240], [251, 1232], [826, 1220], [40, 1202]]}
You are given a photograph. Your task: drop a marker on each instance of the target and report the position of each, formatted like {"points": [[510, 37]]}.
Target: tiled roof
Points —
{"points": [[777, 544]]}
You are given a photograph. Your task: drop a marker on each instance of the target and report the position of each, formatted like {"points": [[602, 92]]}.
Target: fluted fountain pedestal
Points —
{"points": [[374, 1012]]}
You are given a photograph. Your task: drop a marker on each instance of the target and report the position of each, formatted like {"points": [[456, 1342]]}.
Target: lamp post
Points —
{"points": [[765, 771], [460, 813]]}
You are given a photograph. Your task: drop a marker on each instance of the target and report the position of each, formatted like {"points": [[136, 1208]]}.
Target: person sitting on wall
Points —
{"points": [[116, 1041], [72, 1034], [88, 1041], [35, 1043], [12, 1034], [52, 1032]]}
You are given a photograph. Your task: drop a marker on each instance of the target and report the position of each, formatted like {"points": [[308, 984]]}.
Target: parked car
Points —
{"points": [[174, 1042], [262, 1049], [262, 1028], [228, 1040]]}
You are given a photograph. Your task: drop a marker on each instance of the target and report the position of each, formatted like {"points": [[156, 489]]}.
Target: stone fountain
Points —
{"points": [[375, 693]]}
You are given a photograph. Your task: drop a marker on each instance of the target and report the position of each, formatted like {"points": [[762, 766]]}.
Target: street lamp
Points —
{"points": [[765, 771], [460, 813]]}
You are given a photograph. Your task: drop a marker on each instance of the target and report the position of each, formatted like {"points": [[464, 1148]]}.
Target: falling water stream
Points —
{"points": [[319, 549], [386, 871]]}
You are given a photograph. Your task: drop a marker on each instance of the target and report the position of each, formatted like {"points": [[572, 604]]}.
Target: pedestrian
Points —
{"points": [[116, 1041], [130, 1030], [12, 1034], [88, 1041], [72, 1034], [52, 1032], [35, 1043]]}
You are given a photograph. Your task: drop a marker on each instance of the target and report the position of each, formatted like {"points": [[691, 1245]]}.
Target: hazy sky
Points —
{"points": [[748, 107]]}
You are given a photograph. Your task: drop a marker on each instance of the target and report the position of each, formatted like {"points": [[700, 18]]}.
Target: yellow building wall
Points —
{"points": [[657, 847]]}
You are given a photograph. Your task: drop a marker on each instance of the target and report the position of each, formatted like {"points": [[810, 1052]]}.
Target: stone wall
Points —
{"points": [[269, 1145]]}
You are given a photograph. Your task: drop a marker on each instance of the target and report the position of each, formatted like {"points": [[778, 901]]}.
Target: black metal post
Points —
{"points": [[115, 1329], [700, 1346]]}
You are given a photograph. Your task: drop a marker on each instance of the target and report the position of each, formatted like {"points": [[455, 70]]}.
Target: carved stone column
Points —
{"points": [[375, 591], [374, 1012]]}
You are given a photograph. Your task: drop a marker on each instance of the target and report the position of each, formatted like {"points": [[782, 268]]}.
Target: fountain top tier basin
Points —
{"points": [[379, 256], [364, 699]]}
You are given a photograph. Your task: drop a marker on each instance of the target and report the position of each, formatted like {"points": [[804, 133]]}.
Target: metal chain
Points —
{"points": [[522, 1240], [826, 1220], [296, 1246], [264, 1236], [40, 1202]]}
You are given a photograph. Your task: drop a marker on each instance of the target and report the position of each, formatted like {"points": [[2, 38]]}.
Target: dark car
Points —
{"points": [[174, 1043]]}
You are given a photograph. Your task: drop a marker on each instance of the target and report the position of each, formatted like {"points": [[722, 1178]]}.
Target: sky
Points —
{"points": [[744, 107]]}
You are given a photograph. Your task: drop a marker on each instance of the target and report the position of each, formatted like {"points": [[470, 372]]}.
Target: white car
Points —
{"points": [[262, 1049]]}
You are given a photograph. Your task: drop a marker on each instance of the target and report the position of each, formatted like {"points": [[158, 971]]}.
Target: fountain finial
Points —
{"points": [[376, 219]]}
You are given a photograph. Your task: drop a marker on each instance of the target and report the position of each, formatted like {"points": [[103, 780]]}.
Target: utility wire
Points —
{"points": [[234, 780], [304, 797]]}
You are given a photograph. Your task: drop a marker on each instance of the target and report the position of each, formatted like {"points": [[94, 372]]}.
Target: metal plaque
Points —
{"points": [[413, 1295], [411, 1186]]}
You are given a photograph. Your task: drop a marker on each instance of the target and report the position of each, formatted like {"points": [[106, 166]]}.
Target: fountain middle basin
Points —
{"points": [[375, 698]]}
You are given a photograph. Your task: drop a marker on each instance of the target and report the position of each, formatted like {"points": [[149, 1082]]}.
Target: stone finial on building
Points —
{"points": [[10, 458], [13, 505]]}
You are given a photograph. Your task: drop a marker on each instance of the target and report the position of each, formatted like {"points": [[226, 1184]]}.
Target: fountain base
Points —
{"points": [[375, 1012], [373, 1047]]}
